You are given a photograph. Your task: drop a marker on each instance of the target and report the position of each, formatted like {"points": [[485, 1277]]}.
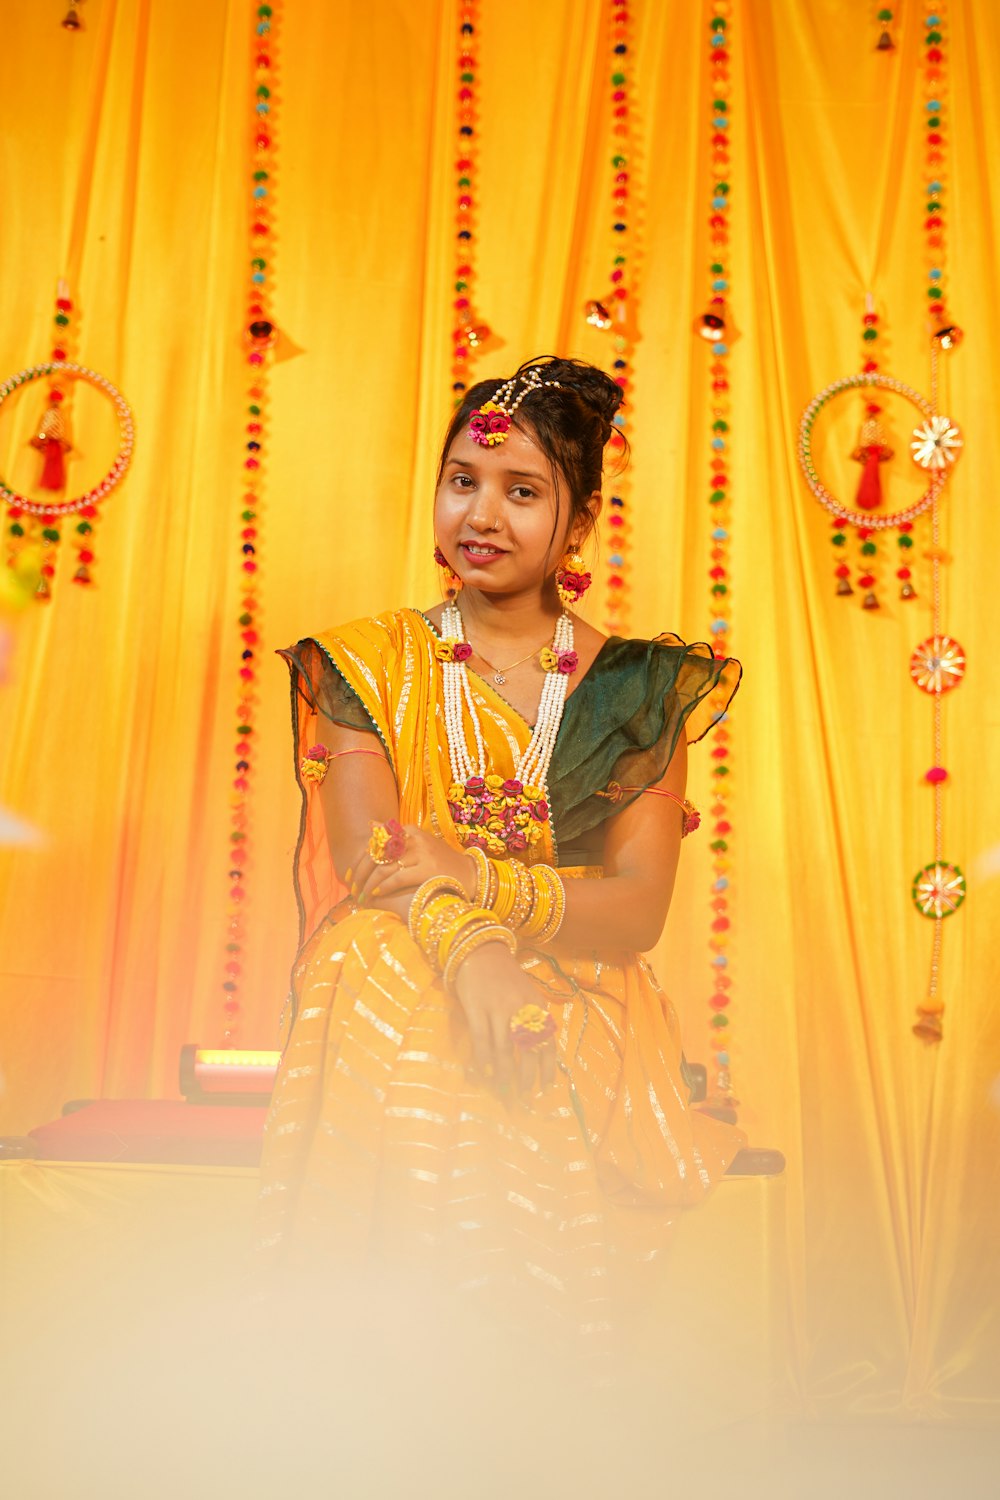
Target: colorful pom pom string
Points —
{"points": [[259, 338]]}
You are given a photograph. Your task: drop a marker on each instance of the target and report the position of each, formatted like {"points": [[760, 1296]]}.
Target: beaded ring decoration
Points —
{"points": [[126, 445], [490, 423], [938, 470]]}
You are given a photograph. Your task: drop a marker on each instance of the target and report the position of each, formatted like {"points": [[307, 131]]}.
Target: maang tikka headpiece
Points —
{"points": [[490, 423]]}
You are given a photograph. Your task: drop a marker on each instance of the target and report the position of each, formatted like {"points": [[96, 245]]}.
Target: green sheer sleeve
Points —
{"points": [[623, 724], [316, 679]]}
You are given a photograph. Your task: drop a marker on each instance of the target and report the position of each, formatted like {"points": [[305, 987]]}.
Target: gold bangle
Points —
{"points": [[484, 876], [524, 900], [433, 922], [471, 916], [494, 933], [550, 905], [550, 931], [542, 905], [437, 885], [506, 894]]}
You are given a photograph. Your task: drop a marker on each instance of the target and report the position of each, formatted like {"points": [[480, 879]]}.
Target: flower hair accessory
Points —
{"points": [[490, 423]]}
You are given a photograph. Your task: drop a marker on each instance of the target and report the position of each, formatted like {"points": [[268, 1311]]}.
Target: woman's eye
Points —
{"points": [[523, 492], [463, 481]]}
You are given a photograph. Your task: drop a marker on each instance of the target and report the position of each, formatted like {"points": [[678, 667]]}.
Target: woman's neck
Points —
{"points": [[509, 617]]}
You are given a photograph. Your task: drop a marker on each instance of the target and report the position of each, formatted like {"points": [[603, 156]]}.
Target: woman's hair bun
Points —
{"points": [[592, 385]]}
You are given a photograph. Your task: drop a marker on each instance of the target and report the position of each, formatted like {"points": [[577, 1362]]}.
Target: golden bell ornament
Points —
{"points": [[928, 1027], [43, 591], [71, 20], [869, 601], [82, 574], [907, 591], [597, 314], [844, 586], [949, 338], [711, 326], [885, 42]]}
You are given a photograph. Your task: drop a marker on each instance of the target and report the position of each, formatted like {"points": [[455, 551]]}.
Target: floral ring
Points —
{"points": [[531, 1027], [387, 842]]}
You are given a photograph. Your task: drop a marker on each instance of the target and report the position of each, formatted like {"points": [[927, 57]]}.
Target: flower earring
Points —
{"points": [[452, 582], [572, 578]]}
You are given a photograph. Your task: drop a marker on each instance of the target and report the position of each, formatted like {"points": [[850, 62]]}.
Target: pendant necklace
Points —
{"points": [[500, 673]]}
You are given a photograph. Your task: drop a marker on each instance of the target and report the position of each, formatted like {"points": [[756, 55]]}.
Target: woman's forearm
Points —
{"points": [[620, 911]]}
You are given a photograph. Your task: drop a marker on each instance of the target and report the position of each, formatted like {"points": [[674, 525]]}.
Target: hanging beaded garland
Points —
{"points": [[937, 664], [500, 815], [612, 311], [259, 338], [469, 332], [711, 327]]}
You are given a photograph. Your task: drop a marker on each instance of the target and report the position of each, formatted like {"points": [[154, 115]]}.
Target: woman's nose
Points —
{"points": [[484, 512]]}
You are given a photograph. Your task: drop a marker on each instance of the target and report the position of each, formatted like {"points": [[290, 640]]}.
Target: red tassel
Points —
{"points": [[871, 451], [53, 444], [869, 495], [53, 466]]}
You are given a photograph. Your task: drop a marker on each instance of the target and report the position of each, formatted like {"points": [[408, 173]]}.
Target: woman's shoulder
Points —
{"points": [[645, 673], [383, 633], [658, 654]]}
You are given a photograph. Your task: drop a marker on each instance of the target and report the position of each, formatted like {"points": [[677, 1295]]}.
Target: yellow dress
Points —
{"points": [[381, 1146]]}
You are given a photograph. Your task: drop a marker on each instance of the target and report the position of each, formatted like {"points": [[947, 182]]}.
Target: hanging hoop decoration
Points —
{"points": [[830, 502], [938, 664], [118, 469], [938, 889]]}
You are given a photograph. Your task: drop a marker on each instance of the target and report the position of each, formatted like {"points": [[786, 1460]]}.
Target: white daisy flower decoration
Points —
{"points": [[936, 443]]}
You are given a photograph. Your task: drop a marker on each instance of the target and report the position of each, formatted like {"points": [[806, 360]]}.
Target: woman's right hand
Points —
{"points": [[491, 988]]}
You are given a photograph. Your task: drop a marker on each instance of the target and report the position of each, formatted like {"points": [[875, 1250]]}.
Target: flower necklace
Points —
{"points": [[496, 815]]}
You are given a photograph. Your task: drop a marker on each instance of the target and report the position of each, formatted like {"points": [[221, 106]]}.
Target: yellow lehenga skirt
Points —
{"points": [[384, 1148]]}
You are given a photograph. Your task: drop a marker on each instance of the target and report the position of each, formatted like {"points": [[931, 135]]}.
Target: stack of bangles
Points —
{"points": [[448, 930], [528, 901]]}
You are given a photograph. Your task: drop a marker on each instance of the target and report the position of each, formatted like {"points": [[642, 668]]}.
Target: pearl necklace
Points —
{"points": [[533, 766]]}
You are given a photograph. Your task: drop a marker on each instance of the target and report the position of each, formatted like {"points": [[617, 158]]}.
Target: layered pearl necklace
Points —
{"points": [[501, 818]]}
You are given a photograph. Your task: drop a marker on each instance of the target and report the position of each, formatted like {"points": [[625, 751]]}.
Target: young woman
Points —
{"points": [[482, 1073]]}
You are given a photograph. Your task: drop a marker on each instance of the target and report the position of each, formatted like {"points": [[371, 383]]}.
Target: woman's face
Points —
{"points": [[498, 518]]}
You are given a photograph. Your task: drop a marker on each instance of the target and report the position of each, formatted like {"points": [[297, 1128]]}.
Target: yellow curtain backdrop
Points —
{"points": [[125, 169]]}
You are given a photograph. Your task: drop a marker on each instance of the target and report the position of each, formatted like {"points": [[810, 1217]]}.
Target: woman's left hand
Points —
{"points": [[424, 855]]}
